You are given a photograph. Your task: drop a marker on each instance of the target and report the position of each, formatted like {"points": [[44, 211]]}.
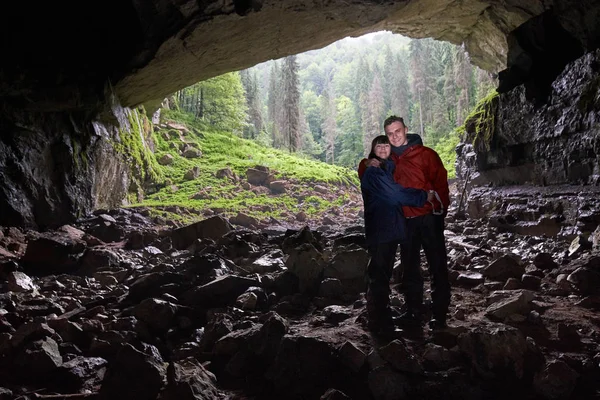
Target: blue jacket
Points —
{"points": [[383, 198]]}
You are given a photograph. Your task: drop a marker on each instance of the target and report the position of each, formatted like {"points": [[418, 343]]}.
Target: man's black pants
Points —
{"points": [[425, 231], [379, 272]]}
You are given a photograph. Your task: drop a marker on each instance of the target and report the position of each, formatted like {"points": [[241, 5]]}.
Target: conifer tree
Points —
{"points": [[290, 111], [450, 92], [274, 103], [390, 78], [462, 77], [401, 94], [329, 123], [250, 82], [372, 112]]}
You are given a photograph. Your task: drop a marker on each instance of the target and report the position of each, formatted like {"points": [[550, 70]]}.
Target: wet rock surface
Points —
{"points": [[553, 143], [157, 312]]}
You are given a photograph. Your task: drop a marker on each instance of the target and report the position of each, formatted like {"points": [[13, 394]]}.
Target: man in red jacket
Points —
{"points": [[420, 167]]}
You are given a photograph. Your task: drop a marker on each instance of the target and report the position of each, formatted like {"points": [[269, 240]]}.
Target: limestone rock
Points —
{"points": [[225, 173], [243, 219], [20, 282], [301, 360], [219, 292], [556, 381], [398, 355], [507, 266], [53, 252], [166, 159], [349, 265], [269, 262], [188, 379], [247, 301], [504, 305], [496, 352], [192, 174], [213, 228], [257, 176], [192, 152], [156, 313], [387, 384], [278, 187], [39, 358], [306, 263], [134, 374], [352, 356]]}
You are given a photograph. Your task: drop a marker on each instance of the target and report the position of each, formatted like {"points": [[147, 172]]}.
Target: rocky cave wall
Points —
{"points": [[68, 67], [555, 143], [56, 167]]}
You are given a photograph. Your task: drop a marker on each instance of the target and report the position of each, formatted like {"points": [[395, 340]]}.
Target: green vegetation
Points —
{"points": [[284, 115], [221, 151], [218, 101], [481, 123], [446, 148], [133, 146], [348, 89], [478, 129]]}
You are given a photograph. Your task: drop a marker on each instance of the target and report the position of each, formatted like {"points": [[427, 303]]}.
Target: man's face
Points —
{"points": [[396, 132]]}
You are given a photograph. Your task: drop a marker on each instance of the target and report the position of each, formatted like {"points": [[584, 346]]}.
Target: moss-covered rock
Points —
{"points": [[480, 124]]}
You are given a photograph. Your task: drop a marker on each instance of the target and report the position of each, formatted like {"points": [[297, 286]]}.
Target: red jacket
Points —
{"points": [[420, 167]]}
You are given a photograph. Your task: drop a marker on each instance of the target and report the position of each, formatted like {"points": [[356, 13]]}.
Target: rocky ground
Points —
{"points": [[120, 307]]}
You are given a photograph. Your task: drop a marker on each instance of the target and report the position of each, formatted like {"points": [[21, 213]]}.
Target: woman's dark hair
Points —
{"points": [[382, 139]]}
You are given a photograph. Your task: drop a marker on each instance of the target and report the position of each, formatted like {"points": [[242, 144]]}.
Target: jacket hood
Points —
{"points": [[413, 138]]}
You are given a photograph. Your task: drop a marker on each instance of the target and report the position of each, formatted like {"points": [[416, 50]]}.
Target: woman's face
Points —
{"points": [[382, 150]]}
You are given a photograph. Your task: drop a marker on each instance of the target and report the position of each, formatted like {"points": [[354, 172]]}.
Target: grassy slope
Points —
{"points": [[221, 150]]}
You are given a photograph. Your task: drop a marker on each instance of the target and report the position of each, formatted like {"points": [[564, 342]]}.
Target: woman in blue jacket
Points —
{"points": [[385, 228]]}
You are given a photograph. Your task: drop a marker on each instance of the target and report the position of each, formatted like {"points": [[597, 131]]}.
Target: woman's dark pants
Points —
{"points": [[379, 272]]}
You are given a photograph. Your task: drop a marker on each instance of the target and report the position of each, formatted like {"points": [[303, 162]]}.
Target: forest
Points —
{"points": [[328, 104]]}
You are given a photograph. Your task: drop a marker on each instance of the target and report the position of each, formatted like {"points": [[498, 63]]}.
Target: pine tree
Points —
{"points": [[450, 92], [250, 83], [274, 103], [349, 137], [418, 80], [462, 77], [329, 123], [389, 78], [400, 97], [371, 114], [290, 112]]}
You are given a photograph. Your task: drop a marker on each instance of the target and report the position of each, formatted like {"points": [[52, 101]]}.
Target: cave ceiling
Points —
{"points": [[59, 56]]}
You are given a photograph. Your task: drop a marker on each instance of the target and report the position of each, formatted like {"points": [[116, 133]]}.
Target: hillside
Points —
{"points": [[209, 172]]}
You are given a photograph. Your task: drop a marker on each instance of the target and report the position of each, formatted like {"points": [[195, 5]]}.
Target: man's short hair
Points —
{"points": [[391, 119]]}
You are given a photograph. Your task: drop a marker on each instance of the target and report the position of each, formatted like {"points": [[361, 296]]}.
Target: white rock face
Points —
{"points": [[207, 47]]}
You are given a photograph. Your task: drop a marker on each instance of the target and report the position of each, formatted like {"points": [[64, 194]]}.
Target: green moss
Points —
{"points": [[222, 150], [481, 123], [140, 159]]}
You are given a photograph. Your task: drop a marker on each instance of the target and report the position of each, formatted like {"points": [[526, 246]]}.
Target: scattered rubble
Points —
{"points": [[119, 307]]}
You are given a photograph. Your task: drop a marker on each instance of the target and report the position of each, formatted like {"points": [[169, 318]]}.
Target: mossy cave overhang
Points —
{"points": [[67, 66]]}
